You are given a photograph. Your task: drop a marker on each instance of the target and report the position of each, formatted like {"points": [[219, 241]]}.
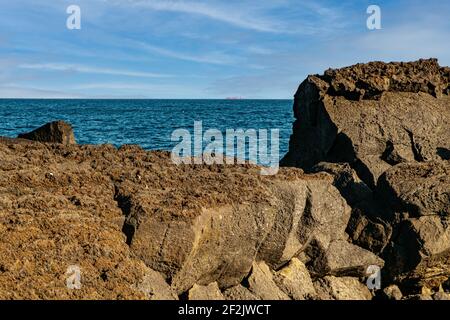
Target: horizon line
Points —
{"points": [[1, 98]]}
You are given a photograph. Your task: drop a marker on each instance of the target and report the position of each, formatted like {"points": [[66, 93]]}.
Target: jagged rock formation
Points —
{"points": [[53, 132], [382, 130], [372, 116]]}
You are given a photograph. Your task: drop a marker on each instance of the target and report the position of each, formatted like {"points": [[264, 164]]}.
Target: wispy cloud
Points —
{"points": [[214, 12], [92, 70], [211, 58]]}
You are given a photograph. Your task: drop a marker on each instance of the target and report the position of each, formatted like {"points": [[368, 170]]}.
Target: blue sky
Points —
{"points": [[203, 49]]}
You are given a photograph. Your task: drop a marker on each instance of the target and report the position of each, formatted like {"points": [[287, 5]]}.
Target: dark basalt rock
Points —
{"points": [[53, 132], [372, 116], [382, 130]]}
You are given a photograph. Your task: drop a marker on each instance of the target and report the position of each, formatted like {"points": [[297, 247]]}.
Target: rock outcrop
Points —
{"points": [[138, 226], [382, 130], [53, 132], [372, 116]]}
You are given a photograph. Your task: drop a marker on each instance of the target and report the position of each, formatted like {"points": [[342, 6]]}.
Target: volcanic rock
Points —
{"points": [[262, 284], [420, 253], [294, 280], [209, 292], [155, 287], [341, 258], [343, 288], [418, 188], [123, 214], [372, 116], [366, 228], [233, 221], [53, 132]]}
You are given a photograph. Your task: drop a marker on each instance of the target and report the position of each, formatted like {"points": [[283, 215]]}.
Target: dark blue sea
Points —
{"points": [[148, 123]]}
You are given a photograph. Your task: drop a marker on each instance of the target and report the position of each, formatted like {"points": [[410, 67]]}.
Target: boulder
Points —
{"points": [[420, 253], [372, 116], [352, 188], [342, 288], [215, 224], [262, 284], [155, 287], [341, 258], [366, 228], [53, 132], [294, 280], [370, 233], [382, 130], [209, 292], [418, 188]]}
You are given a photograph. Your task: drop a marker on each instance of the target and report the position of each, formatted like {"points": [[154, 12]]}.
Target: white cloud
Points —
{"points": [[92, 70]]}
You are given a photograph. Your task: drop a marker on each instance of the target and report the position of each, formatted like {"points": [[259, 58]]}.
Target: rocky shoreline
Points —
{"points": [[365, 184]]}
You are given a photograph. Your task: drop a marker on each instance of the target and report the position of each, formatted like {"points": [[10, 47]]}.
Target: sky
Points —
{"points": [[168, 49]]}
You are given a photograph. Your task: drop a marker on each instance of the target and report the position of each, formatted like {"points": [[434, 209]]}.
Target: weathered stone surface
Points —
{"points": [[392, 292], [347, 182], [193, 224], [370, 233], [262, 284], [57, 211], [420, 254], [371, 80], [418, 188], [341, 258], [239, 292], [294, 280], [209, 292], [372, 116], [155, 287], [343, 288], [219, 242], [366, 227], [53, 132], [382, 130]]}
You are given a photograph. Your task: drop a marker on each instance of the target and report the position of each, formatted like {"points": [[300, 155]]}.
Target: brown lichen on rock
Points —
{"points": [[115, 213]]}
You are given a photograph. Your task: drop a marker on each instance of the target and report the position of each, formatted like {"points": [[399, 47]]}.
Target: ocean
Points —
{"points": [[148, 123]]}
